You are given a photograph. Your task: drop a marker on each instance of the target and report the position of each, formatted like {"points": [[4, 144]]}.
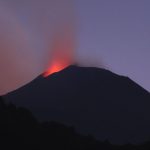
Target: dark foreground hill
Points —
{"points": [[94, 101], [20, 130]]}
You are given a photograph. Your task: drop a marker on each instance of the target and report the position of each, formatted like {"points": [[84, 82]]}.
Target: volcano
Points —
{"points": [[95, 101]]}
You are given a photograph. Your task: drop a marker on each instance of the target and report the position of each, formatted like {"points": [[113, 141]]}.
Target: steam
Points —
{"points": [[36, 36]]}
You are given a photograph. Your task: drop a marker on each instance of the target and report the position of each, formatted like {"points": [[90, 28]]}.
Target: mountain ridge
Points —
{"points": [[95, 101]]}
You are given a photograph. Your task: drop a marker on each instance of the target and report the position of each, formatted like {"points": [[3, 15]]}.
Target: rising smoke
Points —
{"points": [[36, 36]]}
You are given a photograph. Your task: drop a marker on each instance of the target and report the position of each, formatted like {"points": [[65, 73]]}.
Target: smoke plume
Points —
{"points": [[36, 36]]}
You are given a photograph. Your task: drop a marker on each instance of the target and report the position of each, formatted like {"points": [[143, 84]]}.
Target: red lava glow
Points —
{"points": [[55, 67], [62, 50]]}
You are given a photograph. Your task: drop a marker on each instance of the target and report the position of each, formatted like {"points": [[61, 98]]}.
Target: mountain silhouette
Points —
{"points": [[19, 129], [95, 101]]}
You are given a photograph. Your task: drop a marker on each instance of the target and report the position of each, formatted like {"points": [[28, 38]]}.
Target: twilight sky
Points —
{"points": [[114, 34]]}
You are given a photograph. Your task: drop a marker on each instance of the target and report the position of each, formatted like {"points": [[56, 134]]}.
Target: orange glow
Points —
{"points": [[62, 55], [55, 67], [62, 49]]}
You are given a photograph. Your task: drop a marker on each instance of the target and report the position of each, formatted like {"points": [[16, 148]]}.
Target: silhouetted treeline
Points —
{"points": [[19, 130]]}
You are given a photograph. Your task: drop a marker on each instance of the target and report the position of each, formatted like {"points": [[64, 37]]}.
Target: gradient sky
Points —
{"points": [[116, 34]]}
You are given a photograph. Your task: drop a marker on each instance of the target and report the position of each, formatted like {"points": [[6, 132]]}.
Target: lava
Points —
{"points": [[62, 51], [55, 67]]}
